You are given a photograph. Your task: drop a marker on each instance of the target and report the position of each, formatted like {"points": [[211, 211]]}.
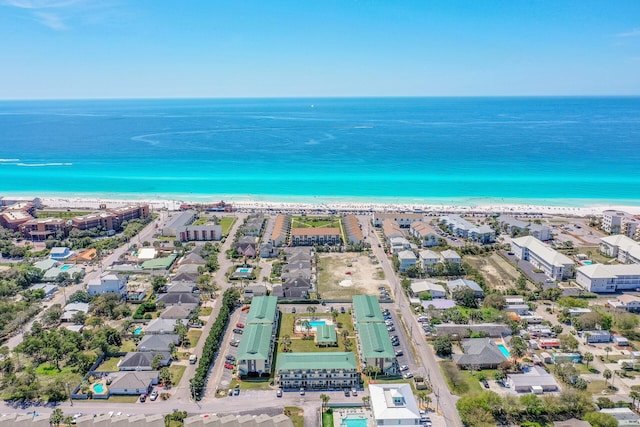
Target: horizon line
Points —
{"points": [[310, 97]]}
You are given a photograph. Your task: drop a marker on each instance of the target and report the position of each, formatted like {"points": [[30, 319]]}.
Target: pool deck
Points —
{"points": [[340, 413]]}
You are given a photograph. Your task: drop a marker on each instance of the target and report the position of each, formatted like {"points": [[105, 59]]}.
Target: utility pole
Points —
{"points": [[70, 398]]}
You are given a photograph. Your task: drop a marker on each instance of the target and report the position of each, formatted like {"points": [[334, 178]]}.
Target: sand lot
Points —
{"points": [[342, 275], [499, 273]]}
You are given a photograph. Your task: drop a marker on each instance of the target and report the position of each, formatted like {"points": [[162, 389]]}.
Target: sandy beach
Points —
{"points": [[342, 206]]}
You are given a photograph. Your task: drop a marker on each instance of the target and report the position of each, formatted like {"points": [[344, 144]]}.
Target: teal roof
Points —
{"points": [[375, 341], [326, 334], [159, 263], [263, 310], [255, 343], [316, 360], [367, 309]]}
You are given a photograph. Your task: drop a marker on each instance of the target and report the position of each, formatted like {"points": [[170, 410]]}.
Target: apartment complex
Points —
{"points": [[514, 225], [40, 229], [315, 236], [622, 247], [617, 222], [204, 232], [255, 353], [467, 230], [404, 220], [352, 229], [425, 233], [317, 371], [609, 278], [281, 228], [374, 344], [554, 264]]}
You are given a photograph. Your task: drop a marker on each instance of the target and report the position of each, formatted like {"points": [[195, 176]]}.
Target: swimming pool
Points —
{"points": [[98, 388], [504, 350], [138, 330], [354, 420], [65, 267], [587, 262], [316, 323], [244, 270]]}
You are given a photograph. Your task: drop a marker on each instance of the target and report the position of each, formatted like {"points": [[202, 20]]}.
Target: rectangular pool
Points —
{"points": [[316, 323], [354, 420], [65, 267], [504, 350]]}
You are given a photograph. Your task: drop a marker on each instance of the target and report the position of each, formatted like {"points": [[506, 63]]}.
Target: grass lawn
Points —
{"points": [[176, 373], [110, 364], [206, 311], [500, 274], [194, 336], [127, 346], [123, 399], [50, 370], [296, 415], [262, 384], [596, 387], [314, 222], [58, 214], [227, 222], [327, 419], [465, 383]]}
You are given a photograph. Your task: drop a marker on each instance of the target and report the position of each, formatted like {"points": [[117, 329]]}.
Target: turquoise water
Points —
{"points": [[244, 270], [98, 388], [587, 262], [504, 350], [354, 420], [565, 151], [65, 267], [137, 331], [316, 323]]}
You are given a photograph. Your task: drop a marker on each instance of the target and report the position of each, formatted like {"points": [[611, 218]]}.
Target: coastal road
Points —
{"points": [[445, 401]]}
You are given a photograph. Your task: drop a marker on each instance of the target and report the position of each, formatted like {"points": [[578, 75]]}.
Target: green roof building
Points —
{"points": [[326, 336], [366, 309], [263, 310], [256, 350], [376, 348], [317, 371]]}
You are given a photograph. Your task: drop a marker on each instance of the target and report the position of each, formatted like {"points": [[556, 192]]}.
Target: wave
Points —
{"points": [[39, 165], [9, 160]]}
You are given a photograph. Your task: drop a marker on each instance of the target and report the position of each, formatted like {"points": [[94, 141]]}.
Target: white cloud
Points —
{"points": [[633, 33], [51, 20], [41, 4]]}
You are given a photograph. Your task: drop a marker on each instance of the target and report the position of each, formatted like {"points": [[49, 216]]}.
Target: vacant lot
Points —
{"points": [[356, 272], [314, 222], [498, 272]]}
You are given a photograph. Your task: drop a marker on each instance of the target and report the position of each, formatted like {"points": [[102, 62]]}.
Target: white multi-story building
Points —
{"points": [[108, 282], [554, 264], [617, 222], [609, 278], [404, 220], [623, 248], [538, 231], [428, 259], [394, 404], [407, 259], [467, 230], [425, 233]]}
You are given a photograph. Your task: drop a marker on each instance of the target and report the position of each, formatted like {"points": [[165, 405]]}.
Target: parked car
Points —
{"points": [[399, 353], [238, 331], [342, 310], [228, 366], [234, 343], [391, 329], [404, 368], [279, 393], [346, 392], [395, 343], [407, 375], [236, 391], [230, 392], [154, 395], [143, 397], [301, 391], [354, 392], [293, 310], [239, 325], [485, 383], [230, 358]]}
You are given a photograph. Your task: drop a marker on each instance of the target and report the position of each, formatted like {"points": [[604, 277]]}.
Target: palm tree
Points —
{"points": [[607, 374], [366, 400], [286, 340], [421, 396], [311, 309], [607, 349], [587, 357], [427, 401], [307, 325], [635, 395], [325, 399], [345, 334]]}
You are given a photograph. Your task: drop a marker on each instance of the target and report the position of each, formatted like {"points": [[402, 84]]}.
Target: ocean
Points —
{"points": [[550, 150]]}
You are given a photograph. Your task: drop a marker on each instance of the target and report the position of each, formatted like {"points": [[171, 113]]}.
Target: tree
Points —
{"points": [[521, 283], [607, 350], [599, 419], [557, 329], [465, 297], [568, 342], [587, 357], [496, 301], [372, 371], [518, 347], [165, 377], [181, 330], [442, 346], [626, 322], [158, 283], [155, 363], [366, 400], [311, 310], [325, 400], [634, 395], [607, 374], [57, 417], [307, 325]]}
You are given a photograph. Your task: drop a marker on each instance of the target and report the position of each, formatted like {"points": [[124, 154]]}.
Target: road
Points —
{"points": [[445, 401]]}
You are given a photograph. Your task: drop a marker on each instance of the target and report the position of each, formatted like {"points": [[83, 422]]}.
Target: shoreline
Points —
{"points": [[570, 207]]}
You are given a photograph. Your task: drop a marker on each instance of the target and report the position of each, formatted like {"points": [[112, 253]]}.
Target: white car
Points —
{"points": [[404, 368], [407, 375]]}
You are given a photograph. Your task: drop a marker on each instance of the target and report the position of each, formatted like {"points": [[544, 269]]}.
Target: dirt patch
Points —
{"points": [[499, 273], [342, 275]]}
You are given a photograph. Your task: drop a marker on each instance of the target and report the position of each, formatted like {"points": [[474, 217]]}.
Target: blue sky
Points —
{"points": [[280, 48]]}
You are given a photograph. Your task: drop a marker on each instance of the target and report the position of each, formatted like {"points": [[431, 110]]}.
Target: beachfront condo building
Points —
{"points": [[204, 232], [554, 264], [317, 371], [515, 226], [352, 229], [404, 220], [281, 228], [617, 222], [426, 233], [40, 229], [464, 229], [623, 248], [609, 278]]}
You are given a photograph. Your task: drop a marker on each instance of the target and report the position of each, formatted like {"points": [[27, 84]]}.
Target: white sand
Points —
{"points": [[94, 203]]}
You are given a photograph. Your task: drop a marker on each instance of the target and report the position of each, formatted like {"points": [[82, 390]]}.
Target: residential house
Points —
{"points": [[49, 290], [60, 253], [438, 304], [624, 416], [394, 404], [143, 361], [53, 274], [132, 383], [253, 225], [182, 286], [626, 302], [465, 331], [479, 353], [596, 337], [427, 260], [158, 342], [179, 298], [161, 326], [571, 422], [436, 290], [108, 282], [176, 312], [454, 285], [554, 264], [407, 259], [450, 257], [426, 233], [267, 250], [186, 273], [251, 291], [398, 244], [535, 380], [317, 371], [71, 309], [247, 246]]}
